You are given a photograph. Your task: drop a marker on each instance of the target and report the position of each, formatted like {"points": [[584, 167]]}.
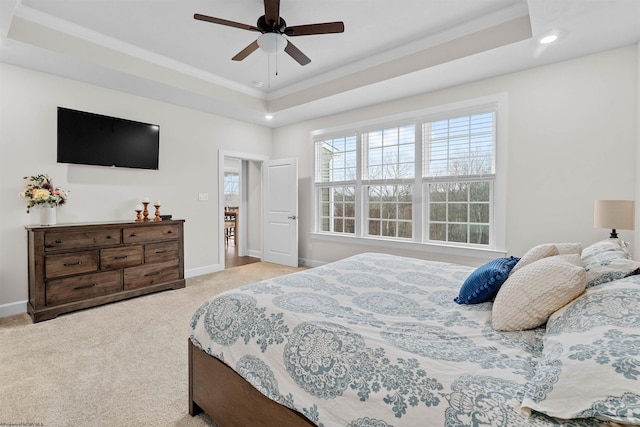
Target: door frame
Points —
{"points": [[242, 218]]}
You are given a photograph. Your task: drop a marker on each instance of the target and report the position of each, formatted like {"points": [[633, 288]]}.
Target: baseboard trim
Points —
{"points": [[255, 254], [199, 271], [10, 309], [309, 262]]}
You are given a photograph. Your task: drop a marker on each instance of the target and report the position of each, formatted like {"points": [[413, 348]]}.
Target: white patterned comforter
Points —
{"points": [[374, 340]]}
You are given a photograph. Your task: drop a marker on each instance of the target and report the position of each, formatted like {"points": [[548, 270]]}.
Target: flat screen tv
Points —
{"points": [[93, 139]]}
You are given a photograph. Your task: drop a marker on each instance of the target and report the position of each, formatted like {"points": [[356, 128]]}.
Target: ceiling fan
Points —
{"points": [[273, 29]]}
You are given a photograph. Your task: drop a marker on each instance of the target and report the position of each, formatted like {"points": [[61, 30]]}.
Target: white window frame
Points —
{"points": [[420, 207]]}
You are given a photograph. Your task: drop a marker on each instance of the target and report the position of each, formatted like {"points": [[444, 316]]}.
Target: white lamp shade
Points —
{"points": [[272, 42], [614, 214]]}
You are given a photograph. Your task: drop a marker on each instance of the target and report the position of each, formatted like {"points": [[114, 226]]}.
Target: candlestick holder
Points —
{"points": [[145, 212], [138, 215], [157, 218]]}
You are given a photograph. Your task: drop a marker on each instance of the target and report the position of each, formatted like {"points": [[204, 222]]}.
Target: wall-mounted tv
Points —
{"points": [[93, 139]]}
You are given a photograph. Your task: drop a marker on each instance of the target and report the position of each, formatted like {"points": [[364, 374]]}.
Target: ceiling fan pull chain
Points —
{"points": [[269, 71]]}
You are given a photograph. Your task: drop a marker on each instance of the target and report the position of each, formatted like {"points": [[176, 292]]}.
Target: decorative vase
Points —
{"points": [[47, 215]]}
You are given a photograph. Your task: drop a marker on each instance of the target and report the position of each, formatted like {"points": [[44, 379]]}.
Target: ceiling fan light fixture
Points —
{"points": [[548, 39], [272, 28], [272, 42]]}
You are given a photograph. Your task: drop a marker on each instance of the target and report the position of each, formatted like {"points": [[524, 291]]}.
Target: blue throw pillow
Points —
{"points": [[483, 284]]}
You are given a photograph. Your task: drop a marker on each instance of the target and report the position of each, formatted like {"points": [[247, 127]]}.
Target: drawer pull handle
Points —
{"points": [[69, 264], [122, 257], [92, 285], [133, 235], [169, 232], [155, 273], [109, 237], [161, 251], [58, 241]]}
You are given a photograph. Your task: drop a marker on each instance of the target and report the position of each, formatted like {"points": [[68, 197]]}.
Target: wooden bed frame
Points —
{"points": [[229, 399]]}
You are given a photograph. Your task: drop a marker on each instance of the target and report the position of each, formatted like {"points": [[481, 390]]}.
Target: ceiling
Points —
{"points": [[389, 49]]}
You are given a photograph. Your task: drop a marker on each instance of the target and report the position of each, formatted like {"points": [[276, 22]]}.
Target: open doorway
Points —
{"points": [[266, 220], [235, 207]]}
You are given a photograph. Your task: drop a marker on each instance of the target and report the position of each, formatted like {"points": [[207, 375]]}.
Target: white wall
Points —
{"points": [[189, 144], [573, 133], [254, 217], [572, 137], [637, 180]]}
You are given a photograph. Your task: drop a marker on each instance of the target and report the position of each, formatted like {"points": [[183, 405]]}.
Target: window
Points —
{"points": [[231, 189], [337, 209], [459, 171], [390, 162], [459, 212], [389, 209], [336, 168], [425, 180]]}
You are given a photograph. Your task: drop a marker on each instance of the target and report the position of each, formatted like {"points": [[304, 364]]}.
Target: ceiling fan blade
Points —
{"points": [[272, 11], [296, 54], [220, 21], [311, 29], [246, 51]]}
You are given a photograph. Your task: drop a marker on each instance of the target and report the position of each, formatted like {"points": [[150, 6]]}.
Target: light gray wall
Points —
{"points": [[572, 138], [189, 144]]}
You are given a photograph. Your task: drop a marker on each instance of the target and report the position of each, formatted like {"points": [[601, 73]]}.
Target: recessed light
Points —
{"points": [[548, 39], [268, 116], [257, 83]]}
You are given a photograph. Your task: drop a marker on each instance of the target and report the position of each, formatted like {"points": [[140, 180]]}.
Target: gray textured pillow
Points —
{"points": [[533, 293]]}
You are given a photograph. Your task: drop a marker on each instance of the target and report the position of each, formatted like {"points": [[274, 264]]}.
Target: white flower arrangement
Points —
{"points": [[40, 191]]}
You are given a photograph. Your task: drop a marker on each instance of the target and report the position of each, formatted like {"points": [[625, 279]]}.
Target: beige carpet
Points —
{"points": [[122, 364]]}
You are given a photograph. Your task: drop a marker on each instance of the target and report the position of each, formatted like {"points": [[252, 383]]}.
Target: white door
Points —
{"points": [[280, 178]]}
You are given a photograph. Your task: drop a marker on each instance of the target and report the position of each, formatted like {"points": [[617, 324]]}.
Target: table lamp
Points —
{"points": [[614, 214]]}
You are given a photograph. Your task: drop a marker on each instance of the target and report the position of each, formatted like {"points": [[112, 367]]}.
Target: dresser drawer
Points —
{"points": [[73, 267], [72, 263], [149, 234], [121, 257], [78, 288], [81, 239], [160, 252], [150, 274]]}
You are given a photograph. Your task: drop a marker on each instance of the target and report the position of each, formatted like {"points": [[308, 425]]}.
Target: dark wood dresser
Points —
{"points": [[77, 266]]}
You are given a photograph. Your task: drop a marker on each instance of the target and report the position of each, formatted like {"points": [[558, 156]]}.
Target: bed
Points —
{"points": [[378, 340]]}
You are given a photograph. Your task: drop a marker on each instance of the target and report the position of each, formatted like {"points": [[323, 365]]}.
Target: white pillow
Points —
{"points": [[534, 254], [607, 245], [533, 293], [546, 250], [569, 248]]}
